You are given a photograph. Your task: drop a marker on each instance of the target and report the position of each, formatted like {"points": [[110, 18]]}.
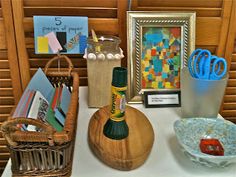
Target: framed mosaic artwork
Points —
{"points": [[159, 44]]}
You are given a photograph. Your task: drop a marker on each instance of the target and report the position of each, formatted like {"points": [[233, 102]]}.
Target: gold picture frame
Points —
{"points": [[147, 44]]}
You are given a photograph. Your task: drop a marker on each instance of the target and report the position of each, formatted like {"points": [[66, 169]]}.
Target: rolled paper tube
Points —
{"points": [[101, 56], [92, 56], [110, 56]]}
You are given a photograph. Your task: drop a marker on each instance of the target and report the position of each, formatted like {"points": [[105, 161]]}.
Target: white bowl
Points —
{"points": [[190, 131]]}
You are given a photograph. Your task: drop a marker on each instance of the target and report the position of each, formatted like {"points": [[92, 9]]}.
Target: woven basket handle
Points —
{"points": [[60, 57], [9, 127]]}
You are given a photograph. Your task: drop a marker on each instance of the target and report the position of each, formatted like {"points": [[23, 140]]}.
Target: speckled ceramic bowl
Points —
{"points": [[190, 131]]}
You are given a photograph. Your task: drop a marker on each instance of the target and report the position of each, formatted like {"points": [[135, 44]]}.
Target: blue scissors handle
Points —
{"points": [[198, 60], [216, 72], [203, 65], [190, 65]]}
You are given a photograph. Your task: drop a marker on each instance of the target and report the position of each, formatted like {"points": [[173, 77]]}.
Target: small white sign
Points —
{"points": [[162, 99]]}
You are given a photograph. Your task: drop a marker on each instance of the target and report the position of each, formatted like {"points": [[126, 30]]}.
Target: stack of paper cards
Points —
{"points": [[42, 101], [64, 34], [24, 106], [33, 105], [38, 110], [60, 103]]}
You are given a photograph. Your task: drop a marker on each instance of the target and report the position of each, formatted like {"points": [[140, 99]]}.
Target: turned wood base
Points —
{"points": [[125, 154]]}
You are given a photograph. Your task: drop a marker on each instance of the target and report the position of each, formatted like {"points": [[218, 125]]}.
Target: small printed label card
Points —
{"points": [[64, 34], [154, 99]]}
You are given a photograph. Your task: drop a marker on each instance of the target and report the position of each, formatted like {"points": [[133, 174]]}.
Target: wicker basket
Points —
{"points": [[45, 153]]}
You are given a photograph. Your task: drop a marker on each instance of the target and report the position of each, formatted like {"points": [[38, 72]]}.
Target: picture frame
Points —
{"points": [[159, 45]]}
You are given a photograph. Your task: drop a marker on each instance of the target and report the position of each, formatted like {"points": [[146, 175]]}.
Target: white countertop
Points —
{"points": [[166, 158]]}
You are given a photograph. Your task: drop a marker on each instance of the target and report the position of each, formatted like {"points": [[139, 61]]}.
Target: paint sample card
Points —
{"points": [[42, 43], [53, 43], [61, 36], [68, 34]]}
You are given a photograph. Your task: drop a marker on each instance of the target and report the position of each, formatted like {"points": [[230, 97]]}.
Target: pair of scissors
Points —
{"points": [[203, 65]]}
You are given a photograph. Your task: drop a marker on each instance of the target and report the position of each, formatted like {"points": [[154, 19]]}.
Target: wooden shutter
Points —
{"points": [[10, 85], [105, 17], [215, 30], [211, 23], [228, 109]]}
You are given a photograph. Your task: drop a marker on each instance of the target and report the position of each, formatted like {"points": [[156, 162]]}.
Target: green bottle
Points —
{"points": [[116, 127]]}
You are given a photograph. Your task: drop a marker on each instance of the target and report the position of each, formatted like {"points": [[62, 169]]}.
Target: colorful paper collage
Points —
{"points": [[160, 60], [64, 34]]}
